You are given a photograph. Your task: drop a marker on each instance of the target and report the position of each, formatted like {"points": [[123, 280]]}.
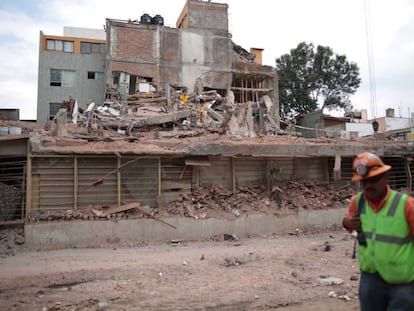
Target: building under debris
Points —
{"points": [[145, 56], [170, 112]]}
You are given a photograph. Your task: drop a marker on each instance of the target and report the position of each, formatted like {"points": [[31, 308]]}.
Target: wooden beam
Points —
{"points": [[75, 183], [118, 180], [28, 185]]}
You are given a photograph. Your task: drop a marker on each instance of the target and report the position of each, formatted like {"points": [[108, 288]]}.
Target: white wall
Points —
{"points": [[77, 32], [397, 123], [363, 129]]}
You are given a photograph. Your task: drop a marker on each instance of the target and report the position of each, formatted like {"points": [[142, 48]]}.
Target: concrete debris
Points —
{"points": [[164, 111], [10, 197], [354, 277], [229, 262], [330, 281], [339, 295], [230, 237], [344, 297], [10, 241], [217, 202]]}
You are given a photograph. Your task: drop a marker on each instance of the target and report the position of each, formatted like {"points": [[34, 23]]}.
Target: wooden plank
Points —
{"points": [[197, 162], [122, 208]]}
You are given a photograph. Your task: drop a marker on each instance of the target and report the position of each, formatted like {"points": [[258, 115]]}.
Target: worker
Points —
{"points": [[384, 221], [90, 113], [184, 97]]}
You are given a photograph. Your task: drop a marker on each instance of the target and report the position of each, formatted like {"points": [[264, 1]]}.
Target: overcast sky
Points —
{"points": [[276, 26]]}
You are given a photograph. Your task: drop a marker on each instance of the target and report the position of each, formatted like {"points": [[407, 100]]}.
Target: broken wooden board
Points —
{"points": [[116, 209]]}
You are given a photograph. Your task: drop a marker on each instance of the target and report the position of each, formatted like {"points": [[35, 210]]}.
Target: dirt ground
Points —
{"points": [[310, 270]]}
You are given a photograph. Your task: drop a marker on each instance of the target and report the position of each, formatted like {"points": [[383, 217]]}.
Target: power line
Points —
{"points": [[371, 72]]}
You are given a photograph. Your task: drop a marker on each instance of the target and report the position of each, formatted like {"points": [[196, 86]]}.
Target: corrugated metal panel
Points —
{"points": [[287, 166], [219, 173], [176, 178], [140, 182], [91, 170], [249, 170], [55, 183], [399, 176], [313, 168]]}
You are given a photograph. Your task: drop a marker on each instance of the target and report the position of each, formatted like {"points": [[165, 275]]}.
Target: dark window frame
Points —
{"points": [[65, 46], [92, 48], [57, 78], [95, 75]]}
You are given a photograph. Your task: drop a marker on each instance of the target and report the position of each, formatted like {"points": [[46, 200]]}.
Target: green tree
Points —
{"points": [[308, 79]]}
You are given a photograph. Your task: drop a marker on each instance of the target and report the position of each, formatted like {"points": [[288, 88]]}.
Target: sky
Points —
{"points": [[377, 35]]}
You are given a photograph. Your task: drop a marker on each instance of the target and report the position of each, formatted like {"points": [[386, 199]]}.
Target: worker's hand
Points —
{"points": [[352, 223]]}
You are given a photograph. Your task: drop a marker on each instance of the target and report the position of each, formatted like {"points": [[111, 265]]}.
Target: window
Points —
{"points": [[68, 46], [59, 45], [64, 78], [93, 75], [85, 48], [95, 48]]}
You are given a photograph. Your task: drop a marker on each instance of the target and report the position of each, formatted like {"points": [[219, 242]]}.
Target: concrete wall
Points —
{"points": [[207, 15], [93, 233], [206, 57], [363, 129], [174, 56], [397, 123]]}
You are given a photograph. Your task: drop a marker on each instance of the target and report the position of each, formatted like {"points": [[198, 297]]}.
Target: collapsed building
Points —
{"points": [[103, 168], [185, 112], [199, 55]]}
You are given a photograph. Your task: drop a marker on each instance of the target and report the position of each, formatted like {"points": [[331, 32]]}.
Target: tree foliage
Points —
{"points": [[309, 79]]}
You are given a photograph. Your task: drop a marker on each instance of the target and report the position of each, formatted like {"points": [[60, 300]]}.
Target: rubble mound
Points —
{"points": [[10, 198], [282, 198]]}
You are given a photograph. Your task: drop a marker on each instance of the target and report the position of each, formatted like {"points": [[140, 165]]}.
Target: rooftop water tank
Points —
{"points": [[158, 20], [146, 18]]}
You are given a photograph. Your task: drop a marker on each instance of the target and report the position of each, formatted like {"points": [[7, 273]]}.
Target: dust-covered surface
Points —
{"points": [[295, 271]]}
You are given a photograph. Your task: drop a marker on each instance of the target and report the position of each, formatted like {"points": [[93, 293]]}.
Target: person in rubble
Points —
{"points": [[384, 221], [90, 113], [184, 97]]}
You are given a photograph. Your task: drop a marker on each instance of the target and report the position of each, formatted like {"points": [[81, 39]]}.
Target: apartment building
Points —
{"points": [[70, 66]]}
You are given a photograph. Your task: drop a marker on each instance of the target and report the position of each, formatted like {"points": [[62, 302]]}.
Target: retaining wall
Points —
{"points": [[92, 233]]}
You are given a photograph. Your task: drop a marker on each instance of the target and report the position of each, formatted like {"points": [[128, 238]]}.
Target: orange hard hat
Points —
{"points": [[367, 165]]}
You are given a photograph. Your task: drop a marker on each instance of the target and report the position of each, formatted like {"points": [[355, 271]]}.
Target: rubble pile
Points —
{"points": [[171, 110], [10, 198], [217, 202], [10, 241]]}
